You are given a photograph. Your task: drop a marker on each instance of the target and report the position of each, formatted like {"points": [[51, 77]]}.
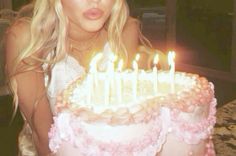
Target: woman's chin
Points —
{"points": [[93, 27]]}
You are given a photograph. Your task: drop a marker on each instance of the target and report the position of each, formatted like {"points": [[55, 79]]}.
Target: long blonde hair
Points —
{"points": [[49, 32]]}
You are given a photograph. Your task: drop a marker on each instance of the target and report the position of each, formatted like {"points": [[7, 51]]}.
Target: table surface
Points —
{"points": [[225, 130]]}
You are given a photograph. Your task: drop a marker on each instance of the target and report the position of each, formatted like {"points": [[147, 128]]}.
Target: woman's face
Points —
{"points": [[89, 15]]}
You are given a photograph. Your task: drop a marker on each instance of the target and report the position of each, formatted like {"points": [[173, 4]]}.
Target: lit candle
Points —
{"points": [[112, 79], [171, 57], [92, 76], [119, 81], [107, 89], [89, 88], [135, 80], [155, 62], [108, 79], [93, 67], [137, 57], [120, 65]]}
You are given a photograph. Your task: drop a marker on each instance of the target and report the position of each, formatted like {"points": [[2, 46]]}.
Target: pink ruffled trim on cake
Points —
{"points": [[193, 133], [68, 128], [209, 150], [141, 113]]}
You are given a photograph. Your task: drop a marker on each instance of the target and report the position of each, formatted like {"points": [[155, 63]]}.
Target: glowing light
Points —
{"points": [[171, 57]]}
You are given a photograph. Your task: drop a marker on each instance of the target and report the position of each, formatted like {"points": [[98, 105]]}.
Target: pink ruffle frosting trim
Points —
{"points": [[192, 133], [68, 128]]}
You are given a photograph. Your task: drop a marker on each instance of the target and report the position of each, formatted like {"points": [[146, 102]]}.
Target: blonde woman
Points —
{"points": [[61, 33]]}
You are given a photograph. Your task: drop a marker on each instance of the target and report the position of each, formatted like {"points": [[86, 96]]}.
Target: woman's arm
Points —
{"points": [[132, 36], [30, 87]]}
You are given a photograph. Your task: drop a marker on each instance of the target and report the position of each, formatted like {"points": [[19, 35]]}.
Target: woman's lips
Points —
{"points": [[93, 14]]}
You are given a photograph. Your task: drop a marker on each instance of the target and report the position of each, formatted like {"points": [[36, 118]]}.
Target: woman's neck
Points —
{"points": [[76, 33]]}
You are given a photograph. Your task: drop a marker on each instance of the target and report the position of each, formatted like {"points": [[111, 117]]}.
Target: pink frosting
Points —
{"points": [[67, 127], [193, 133]]}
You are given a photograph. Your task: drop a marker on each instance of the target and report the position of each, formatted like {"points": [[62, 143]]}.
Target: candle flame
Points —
{"points": [[137, 57], [171, 57], [93, 63], [120, 65], [135, 65], [156, 59]]}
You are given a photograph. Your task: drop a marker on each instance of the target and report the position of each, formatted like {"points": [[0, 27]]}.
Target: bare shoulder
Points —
{"points": [[132, 26], [22, 24], [130, 36], [17, 37], [18, 34]]}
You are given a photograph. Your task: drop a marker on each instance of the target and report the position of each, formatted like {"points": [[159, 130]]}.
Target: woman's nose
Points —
{"points": [[97, 1]]}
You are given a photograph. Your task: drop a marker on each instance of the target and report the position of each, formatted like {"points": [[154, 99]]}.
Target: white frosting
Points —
{"points": [[120, 133]]}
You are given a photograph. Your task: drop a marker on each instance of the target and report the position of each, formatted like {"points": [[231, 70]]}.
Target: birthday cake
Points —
{"points": [[135, 113]]}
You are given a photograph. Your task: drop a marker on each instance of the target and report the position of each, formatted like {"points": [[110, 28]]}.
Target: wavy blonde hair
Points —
{"points": [[48, 36]]}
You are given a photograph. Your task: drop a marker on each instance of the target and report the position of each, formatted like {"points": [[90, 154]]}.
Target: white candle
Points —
{"points": [[135, 77], [107, 91], [171, 57], [155, 81], [89, 83], [135, 80], [92, 77], [107, 85], [119, 81], [108, 79]]}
